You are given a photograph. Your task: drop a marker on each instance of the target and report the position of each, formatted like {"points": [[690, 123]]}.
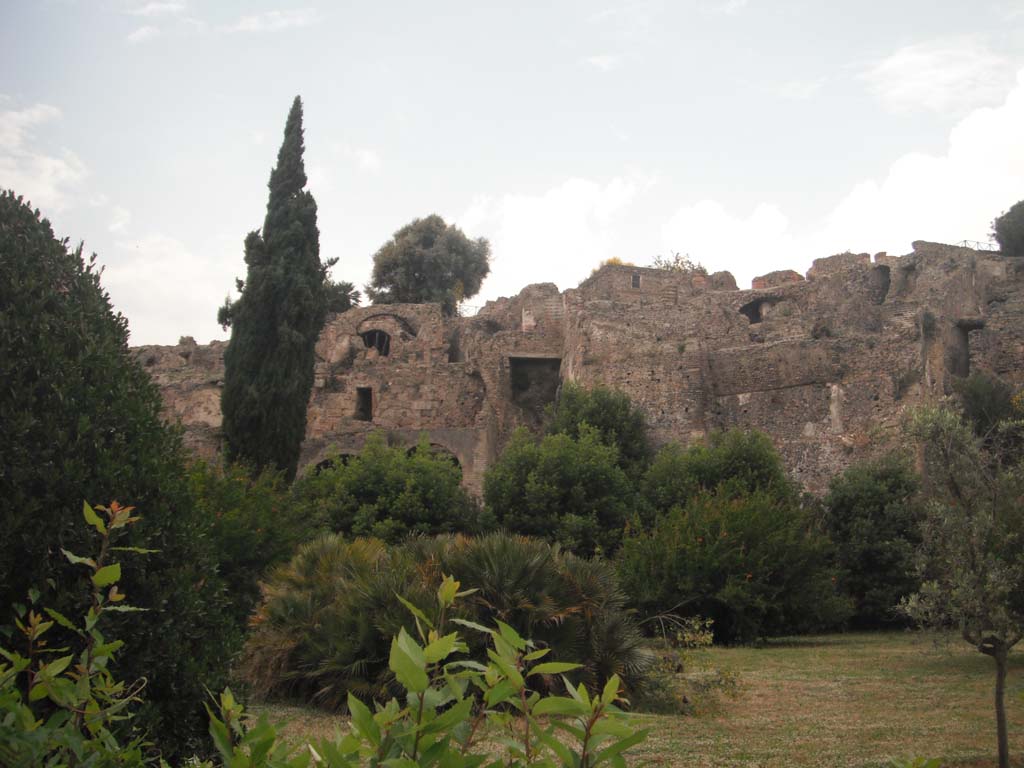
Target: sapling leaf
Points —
{"points": [[554, 668], [92, 518], [107, 575]]}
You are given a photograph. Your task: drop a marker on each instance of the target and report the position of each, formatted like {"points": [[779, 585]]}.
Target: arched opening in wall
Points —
{"points": [[754, 310], [378, 340], [331, 462], [879, 282], [438, 450]]}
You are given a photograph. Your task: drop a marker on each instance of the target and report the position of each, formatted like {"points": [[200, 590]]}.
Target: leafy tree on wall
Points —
{"points": [[268, 364], [429, 261]]}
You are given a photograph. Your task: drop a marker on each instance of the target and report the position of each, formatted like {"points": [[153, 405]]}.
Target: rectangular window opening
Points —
{"points": [[364, 404], [636, 280]]}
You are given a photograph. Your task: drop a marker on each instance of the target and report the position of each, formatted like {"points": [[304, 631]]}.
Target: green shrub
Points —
{"points": [[1008, 230], [734, 462], [254, 525], [452, 711], [873, 518], [322, 629], [59, 710], [752, 563], [564, 490], [81, 419], [67, 709], [986, 401], [388, 492], [618, 422]]}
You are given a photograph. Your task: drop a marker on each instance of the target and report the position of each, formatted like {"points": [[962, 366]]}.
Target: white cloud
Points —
{"points": [[142, 34], [948, 75], [166, 289], [120, 218], [732, 7], [560, 234], [366, 158], [158, 9], [800, 90], [603, 62], [273, 20], [945, 198], [44, 178]]}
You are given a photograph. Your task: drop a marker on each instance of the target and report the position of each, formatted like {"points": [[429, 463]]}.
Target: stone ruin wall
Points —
{"points": [[825, 364]]}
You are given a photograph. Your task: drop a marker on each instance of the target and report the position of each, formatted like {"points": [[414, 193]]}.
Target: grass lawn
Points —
{"points": [[834, 700]]}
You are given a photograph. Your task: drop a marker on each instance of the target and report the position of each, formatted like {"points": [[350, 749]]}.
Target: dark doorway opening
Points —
{"points": [[534, 380], [364, 404]]}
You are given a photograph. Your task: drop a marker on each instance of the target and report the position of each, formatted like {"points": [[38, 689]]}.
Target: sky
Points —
{"points": [[752, 135]]}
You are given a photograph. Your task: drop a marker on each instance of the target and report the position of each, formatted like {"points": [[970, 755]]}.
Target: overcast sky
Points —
{"points": [[751, 134]]}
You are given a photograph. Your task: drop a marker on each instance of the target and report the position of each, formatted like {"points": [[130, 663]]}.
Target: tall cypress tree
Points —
{"points": [[275, 323]]}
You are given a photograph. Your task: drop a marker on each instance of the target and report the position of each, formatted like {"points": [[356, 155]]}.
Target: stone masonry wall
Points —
{"points": [[825, 365]]}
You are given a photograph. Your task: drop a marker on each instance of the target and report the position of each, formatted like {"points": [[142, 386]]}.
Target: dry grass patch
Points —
{"points": [[835, 700]]}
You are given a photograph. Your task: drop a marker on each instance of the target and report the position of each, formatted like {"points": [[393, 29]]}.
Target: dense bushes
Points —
{"points": [[873, 517], [253, 525], [727, 538], [81, 419], [750, 562], [618, 422], [561, 489], [388, 492], [736, 462], [323, 627]]}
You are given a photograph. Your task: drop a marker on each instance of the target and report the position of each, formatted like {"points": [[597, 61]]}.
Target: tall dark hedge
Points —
{"points": [[81, 421], [275, 323], [873, 518]]}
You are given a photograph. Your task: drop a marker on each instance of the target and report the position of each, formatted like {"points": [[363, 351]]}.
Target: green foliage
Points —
{"points": [[676, 262], [873, 518], [971, 561], [448, 709], [82, 419], [751, 562], [1008, 230], [618, 422], [268, 364], [341, 296], [253, 525], [388, 492], [561, 489], [733, 462], [429, 261], [987, 401], [62, 706], [323, 628]]}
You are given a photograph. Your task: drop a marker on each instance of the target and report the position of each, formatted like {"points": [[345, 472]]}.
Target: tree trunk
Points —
{"points": [[1004, 746]]}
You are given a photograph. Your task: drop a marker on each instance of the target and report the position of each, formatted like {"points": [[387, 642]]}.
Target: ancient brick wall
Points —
{"points": [[825, 365]]}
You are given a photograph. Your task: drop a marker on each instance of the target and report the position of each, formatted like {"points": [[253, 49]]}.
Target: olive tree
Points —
{"points": [[971, 560]]}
